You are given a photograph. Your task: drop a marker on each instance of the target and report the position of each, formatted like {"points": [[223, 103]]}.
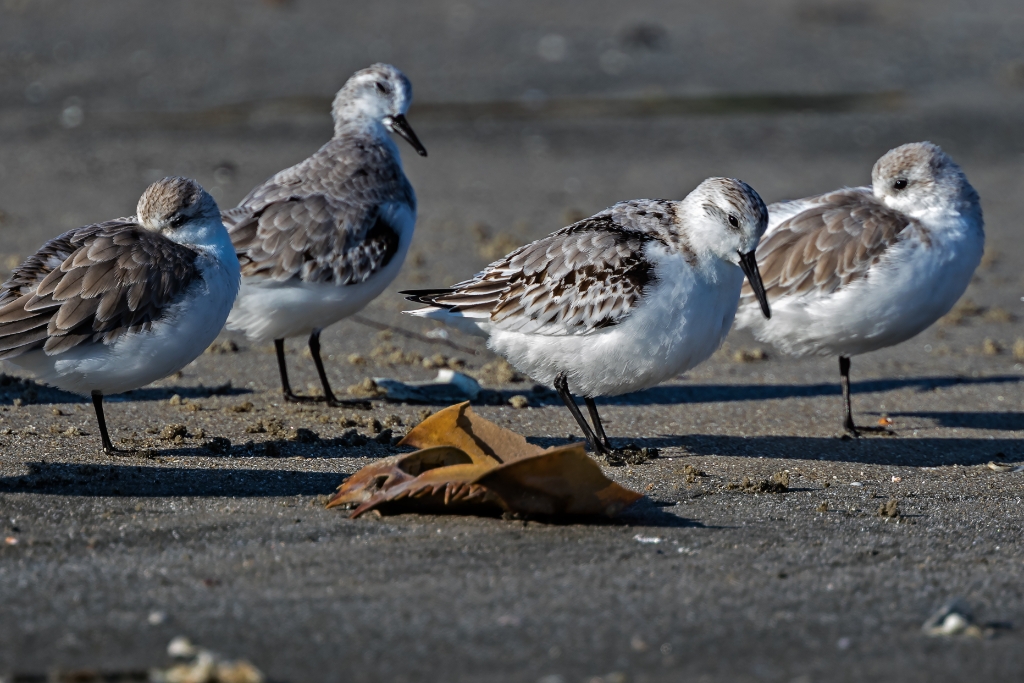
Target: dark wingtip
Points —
{"points": [[424, 296]]}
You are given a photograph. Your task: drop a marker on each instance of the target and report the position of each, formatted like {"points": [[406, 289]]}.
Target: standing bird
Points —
{"points": [[860, 269], [320, 240], [114, 306], [617, 302]]}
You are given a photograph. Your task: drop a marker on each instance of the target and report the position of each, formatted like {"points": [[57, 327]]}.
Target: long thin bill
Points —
{"points": [[402, 127], [748, 262]]}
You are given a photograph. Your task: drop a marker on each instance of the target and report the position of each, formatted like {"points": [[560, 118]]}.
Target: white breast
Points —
{"points": [[680, 321], [136, 359], [913, 285], [267, 309]]}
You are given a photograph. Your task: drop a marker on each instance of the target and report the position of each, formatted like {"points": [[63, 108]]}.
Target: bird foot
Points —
{"points": [[854, 432], [297, 398], [631, 454], [354, 403], [879, 431], [113, 451]]}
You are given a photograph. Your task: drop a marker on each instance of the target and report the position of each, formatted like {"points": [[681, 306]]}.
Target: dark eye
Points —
{"points": [[899, 183], [177, 221], [733, 221], [382, 88]]}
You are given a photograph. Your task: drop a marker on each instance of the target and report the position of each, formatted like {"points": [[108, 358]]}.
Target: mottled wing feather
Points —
{"points": [[585, 277], [325, 219], [831, 241], [92, 284]]}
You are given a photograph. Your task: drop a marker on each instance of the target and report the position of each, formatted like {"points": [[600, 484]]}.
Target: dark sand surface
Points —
{"points": [[115, 556]]}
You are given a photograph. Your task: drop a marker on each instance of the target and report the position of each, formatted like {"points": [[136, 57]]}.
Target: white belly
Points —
{"points": [[912, 287], [266, 310], [679, 325], [135, 360]]}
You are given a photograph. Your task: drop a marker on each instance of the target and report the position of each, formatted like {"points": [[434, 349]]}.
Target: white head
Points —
{"points": [[377, 94], [181, 210], [726, 218], [919, 176]]}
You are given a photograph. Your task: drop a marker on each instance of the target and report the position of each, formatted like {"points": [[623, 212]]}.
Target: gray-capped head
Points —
{"points": [[378, 93], [170, 204], [919, 176]]}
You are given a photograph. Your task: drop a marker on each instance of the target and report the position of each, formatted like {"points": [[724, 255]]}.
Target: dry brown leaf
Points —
{"points": [[469, 464], [391, 477], [559, 481], [460, 427]]}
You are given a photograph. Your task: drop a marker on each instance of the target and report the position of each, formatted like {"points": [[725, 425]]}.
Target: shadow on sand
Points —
{"points": [[1008, 421], [29, 391], [119, 481], [148, 481], [878, 450], [714, 393]]}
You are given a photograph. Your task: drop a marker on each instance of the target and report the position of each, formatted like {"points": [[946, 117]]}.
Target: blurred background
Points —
{"points": [[533, 112]]}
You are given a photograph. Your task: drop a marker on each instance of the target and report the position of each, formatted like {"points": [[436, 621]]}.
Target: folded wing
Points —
{"points": [[92, 284], [824, 243], [330, 219], [585, 277]]}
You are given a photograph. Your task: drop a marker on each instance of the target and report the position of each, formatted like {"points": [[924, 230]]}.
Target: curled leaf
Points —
{"points": [[423, 474], [559, 481], [460, 427], [469, 464]]}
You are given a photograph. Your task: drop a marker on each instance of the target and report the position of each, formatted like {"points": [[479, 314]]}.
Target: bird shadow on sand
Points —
{"points": [[715, 393], [28, 391], [311, 447], [148, 481], [1008, 421], [879, 450], [674, 394], [139, 481], [13, 388], [916, 452], [164, 393]]}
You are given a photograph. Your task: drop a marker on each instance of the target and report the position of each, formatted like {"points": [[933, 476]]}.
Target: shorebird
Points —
{"points": [[113, 306], [320, 240], [617, 302], [860, 269]]}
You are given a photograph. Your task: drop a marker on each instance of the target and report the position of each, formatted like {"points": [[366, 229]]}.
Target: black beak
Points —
{"points": [[402, 127], [748, 262]]}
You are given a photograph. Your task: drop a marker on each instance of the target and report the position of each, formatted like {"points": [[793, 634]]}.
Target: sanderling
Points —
{"points": [[320, 240], [114, 306], [617, 302], [863, 268]]}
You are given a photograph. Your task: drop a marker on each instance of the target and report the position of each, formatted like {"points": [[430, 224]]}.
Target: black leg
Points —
{"points": [[596, 419], [97, 403], [286, 388], [562, 387], [314, 350], [844, 381]]}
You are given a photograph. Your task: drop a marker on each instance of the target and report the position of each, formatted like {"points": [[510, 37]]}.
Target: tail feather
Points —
{"points": [[427, 296]]}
